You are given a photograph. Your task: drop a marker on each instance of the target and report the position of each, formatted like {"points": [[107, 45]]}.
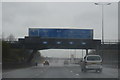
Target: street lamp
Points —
{"points": [[102, 5]]}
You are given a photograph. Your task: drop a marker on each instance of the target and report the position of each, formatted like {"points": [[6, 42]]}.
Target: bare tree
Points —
{"points": [[11, 38], [3, 36]]}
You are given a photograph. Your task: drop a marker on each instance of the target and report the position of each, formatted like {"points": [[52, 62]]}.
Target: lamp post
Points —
{"points": [[102, 6]]}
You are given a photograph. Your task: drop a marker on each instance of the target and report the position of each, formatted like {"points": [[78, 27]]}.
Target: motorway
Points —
{"points": [[59, 70]]}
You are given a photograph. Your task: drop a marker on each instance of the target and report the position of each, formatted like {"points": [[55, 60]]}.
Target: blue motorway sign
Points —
{"points": [[61, 33]]}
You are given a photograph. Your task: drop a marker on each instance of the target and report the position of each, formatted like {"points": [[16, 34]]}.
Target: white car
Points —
{"points": [[91, 62]]}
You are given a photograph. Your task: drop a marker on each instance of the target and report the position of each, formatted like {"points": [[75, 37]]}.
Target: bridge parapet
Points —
{"points": [[53, 43], [56, 43]]}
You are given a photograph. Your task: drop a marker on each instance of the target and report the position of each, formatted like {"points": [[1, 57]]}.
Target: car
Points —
{"points": [[91, 62], [66, 62], [46, 63]]}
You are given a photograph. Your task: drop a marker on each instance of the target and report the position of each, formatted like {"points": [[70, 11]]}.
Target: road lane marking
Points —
{"points": [[71, 71], [36, 74], [77, 74]]}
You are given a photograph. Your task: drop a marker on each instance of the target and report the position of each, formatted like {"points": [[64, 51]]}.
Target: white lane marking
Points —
{"points": [[36, 74], [71, 71], [77, 74]]}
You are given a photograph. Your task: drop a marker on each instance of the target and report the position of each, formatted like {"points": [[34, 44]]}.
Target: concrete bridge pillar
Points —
{"points": [[32, 55], [97, 50], [86, 51]]}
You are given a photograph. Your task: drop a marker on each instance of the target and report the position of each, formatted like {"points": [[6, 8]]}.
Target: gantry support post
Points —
{"points": [[32, 56], [86, 51]]}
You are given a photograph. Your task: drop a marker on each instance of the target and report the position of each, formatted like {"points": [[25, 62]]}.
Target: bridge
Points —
{"points": [[40, 39]]}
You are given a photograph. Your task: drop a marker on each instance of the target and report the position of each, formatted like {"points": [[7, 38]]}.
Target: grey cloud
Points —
{"points": [[17, 17]]}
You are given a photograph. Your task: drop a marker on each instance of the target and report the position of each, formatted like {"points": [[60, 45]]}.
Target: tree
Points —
{"points": [[5, 50], [11, 38], [3, 36]]}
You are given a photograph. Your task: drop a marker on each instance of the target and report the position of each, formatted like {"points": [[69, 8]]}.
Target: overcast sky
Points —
{"points": [[17, 17]]}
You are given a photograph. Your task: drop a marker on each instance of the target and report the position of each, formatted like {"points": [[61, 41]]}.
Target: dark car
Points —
{"points": [[46, 63]]}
